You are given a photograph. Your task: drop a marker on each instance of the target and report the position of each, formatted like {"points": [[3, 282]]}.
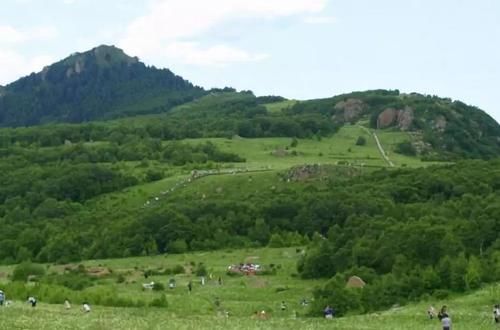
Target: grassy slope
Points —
{"points": [[262, 165], [238, 295]]}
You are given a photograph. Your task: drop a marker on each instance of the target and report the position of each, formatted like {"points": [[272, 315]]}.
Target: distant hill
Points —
{"points": [[105, 83], [439, 127], [101, 83]]}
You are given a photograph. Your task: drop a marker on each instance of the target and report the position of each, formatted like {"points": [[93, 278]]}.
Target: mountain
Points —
{"points": [[101, 83], [105, 83]]}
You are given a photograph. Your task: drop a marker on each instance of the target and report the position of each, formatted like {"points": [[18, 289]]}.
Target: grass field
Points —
{"points": [[265, 158], [239, 296]]}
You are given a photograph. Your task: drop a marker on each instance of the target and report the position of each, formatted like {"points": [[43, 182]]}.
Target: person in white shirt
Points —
{"points": [[86, 307], [446, 322], [496, 313]]}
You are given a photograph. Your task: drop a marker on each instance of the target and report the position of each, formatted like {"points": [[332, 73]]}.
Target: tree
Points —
{"points": [[361, 141]]}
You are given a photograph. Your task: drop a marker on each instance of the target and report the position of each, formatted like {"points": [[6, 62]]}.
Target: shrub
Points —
{"points": [[159, 302], [158, 287], [178, 269], [24, 270], [201, 270], [361, 141]]}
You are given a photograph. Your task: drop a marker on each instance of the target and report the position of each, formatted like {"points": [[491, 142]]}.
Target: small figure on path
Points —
{"points": [[220, 280], [32, 301], [2, 298], [67, 304], [203, 280], [190, 287], [86, 307]]}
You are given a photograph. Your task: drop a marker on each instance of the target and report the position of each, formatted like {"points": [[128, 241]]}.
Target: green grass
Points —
{"points": [[265, 158], [278, 106], [341, 147], [240, 296]]}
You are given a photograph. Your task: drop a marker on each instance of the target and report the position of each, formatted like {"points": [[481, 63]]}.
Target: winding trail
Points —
{"points": [[379, 146]]}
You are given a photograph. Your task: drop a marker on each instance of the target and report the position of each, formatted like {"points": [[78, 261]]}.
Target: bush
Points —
{"points": [[24, 270], [361, 141], [201, 270], [159, 302], [158, 287], [178, 269]]}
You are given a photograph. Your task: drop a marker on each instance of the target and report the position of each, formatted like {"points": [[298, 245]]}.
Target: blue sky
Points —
{"points": [[296, 48]]}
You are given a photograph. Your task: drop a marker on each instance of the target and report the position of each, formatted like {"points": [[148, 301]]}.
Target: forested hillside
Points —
{"points": [[440, 128], [101, 83]]}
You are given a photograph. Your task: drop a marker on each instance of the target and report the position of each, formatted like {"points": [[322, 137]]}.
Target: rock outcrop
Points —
{"points": [[402, 118], [349, 110]]}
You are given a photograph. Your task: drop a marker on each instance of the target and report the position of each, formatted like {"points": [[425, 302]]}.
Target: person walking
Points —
{"points": [[67, 304], [2, 298], [190, 287], [32, 301]]}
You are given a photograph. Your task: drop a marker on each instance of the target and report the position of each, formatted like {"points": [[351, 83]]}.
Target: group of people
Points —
{"points": [[32, 301], [445, 318]]}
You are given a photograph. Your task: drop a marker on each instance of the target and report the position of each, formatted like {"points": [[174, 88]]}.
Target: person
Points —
{"points": [[86, 307], [67, 304], [190, 287], [32, 301], [496, 313], [446, 322], [203, 280], [328, 312], [283, 306], [220, 280], [431, 312], [442, 313], [2, 298]]}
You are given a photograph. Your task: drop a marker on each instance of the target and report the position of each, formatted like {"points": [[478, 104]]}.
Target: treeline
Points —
{"points": [[224, 114], [132, 149]]}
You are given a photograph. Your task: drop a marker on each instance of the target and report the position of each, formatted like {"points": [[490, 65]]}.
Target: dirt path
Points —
{"points": [[379, 146]]}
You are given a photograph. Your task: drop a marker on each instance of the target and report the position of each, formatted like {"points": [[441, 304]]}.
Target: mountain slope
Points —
{"points": [[101, 83], [440, 128]]}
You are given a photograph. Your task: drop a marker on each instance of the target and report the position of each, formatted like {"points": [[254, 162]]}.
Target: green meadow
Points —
{"points": [[238, 296]]}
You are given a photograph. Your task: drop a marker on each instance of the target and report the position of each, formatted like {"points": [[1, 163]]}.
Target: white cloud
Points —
{"points": [[11, 35], [170, 26], [319, 19], [13, 65], [218, 55]]}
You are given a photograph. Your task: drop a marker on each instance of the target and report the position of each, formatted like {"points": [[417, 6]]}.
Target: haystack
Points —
{"points": [[355, 282]]}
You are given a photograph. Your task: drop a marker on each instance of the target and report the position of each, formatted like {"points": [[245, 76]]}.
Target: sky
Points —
{"points": [[300, 49]]}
